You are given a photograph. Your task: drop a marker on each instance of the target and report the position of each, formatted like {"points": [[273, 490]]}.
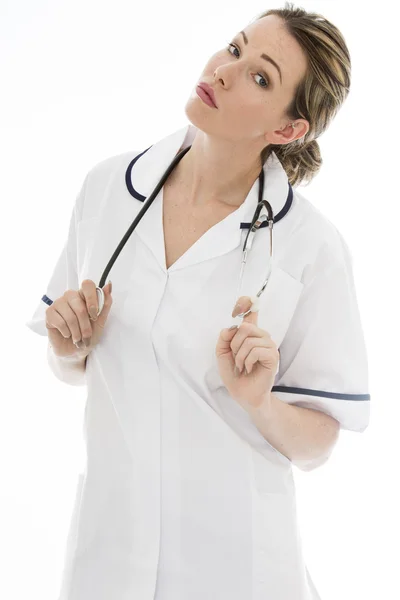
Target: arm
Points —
{"points": [[70, 370], [305, 436], [323, 366]]}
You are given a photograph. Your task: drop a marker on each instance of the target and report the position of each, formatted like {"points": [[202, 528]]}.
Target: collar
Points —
{"points": [[147, 168]]}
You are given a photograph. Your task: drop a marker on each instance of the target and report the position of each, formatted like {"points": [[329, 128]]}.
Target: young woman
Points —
{"points": [[192, 427]]}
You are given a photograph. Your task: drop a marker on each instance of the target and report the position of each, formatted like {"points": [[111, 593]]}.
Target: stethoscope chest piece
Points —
{"points": [[100, 299]]}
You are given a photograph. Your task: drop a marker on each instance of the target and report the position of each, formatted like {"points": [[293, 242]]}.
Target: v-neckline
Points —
{"points": [[192, 248]]}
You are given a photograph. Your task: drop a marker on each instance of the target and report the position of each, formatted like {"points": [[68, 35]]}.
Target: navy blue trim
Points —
{"points": [[47, 300], [141, 198], [306, 392], [128, 178]]}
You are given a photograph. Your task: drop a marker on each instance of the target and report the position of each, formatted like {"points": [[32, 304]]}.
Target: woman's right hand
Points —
{"points": [[69, 320]]}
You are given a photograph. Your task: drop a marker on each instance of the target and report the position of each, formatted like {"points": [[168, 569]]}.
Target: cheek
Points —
{"points": [[252, 122], [257, 116]]}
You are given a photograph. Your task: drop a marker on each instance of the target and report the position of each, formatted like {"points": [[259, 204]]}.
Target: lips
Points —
{"points": [[209, 91]]}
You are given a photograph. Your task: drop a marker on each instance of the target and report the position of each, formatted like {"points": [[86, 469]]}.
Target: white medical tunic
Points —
{"points": [[181, 497]]}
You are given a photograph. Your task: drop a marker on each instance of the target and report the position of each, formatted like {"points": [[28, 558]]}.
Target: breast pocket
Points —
{"points": [[277, 306], [278, 303]]}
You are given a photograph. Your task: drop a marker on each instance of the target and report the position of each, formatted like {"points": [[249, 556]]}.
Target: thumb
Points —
{"points": [[244, 304], [108, 288]]}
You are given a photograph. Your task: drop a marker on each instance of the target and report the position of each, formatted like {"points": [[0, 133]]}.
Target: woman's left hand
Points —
{"points": [[251, 349]]}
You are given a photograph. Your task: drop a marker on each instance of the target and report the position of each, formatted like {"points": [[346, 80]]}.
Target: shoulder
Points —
{"points": [[316, 238], [102, 171], [98, 179]]}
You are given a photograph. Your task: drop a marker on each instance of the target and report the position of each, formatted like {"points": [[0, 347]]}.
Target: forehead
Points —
{"points": [[270, 36]]}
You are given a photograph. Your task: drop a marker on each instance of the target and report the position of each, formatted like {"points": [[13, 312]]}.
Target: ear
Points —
{"points": [[288, 134]]}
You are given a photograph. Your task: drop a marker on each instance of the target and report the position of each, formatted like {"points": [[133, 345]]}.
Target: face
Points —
{"points": [[249, 93]]}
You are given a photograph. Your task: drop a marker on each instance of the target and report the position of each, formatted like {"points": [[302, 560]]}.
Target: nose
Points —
{"points": [[223, 75], [218, 77]]}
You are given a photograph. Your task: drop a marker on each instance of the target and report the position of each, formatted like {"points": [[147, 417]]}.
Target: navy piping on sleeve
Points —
{"points": [[141, 198], [306, 392], [47, 300]]}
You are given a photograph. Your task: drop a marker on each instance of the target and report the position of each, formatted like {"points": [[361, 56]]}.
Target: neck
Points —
{"points": [[217, 172]]}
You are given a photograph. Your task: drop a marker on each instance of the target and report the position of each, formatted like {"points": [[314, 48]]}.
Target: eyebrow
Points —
{"points": [[265, 56]]}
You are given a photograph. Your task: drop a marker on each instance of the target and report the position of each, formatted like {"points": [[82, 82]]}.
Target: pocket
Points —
{"points": [[278, 303], [277, 306]]}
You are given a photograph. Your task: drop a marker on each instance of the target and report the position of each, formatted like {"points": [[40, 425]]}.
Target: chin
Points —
{"points": [[200, 116]]}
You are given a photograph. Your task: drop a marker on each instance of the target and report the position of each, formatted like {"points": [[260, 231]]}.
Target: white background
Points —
{"points": [[87, 79]]}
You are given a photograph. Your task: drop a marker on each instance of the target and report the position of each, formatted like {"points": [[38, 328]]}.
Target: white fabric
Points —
{"points": [[182, 498]]}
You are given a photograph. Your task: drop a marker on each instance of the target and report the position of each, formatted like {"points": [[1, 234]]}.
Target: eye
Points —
{"points": [[232, 46], [262, 75]]}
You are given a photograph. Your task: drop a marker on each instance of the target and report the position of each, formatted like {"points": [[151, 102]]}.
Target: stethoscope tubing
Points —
{"points": [[256, 222], [141, 213]]}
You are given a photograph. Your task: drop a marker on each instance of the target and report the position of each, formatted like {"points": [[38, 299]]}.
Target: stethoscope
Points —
{"points": [[255, 225]]}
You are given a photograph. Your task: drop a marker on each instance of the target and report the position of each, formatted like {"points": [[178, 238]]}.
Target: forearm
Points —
{"points": [[70, 371], [305, 436]]}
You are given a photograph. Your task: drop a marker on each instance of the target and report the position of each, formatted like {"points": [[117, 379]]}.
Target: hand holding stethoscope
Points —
{"points": [[248, 359], [75, 322]]}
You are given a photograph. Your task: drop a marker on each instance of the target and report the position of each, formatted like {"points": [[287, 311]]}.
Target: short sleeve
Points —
{"points": [[323, 357], [64, 275]]}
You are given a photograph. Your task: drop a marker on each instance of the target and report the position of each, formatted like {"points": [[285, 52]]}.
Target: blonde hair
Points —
{"points": [[319, 95]]}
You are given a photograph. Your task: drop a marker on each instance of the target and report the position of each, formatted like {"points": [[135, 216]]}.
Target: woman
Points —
{"points": [[191, 427]]}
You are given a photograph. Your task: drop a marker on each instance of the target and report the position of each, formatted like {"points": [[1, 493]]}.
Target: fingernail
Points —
{"points": [[237, 310], [233, 327], [87, 341], [79, 344], [110, 282], [93, 313]]}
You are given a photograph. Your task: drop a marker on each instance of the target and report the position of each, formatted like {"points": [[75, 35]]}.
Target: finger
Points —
{"points": [[89, 295], [224, 341], [244, 304], [55, 320], [244, 331], [268, 357], [76, 301], [248, 346], [63, 316]]}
